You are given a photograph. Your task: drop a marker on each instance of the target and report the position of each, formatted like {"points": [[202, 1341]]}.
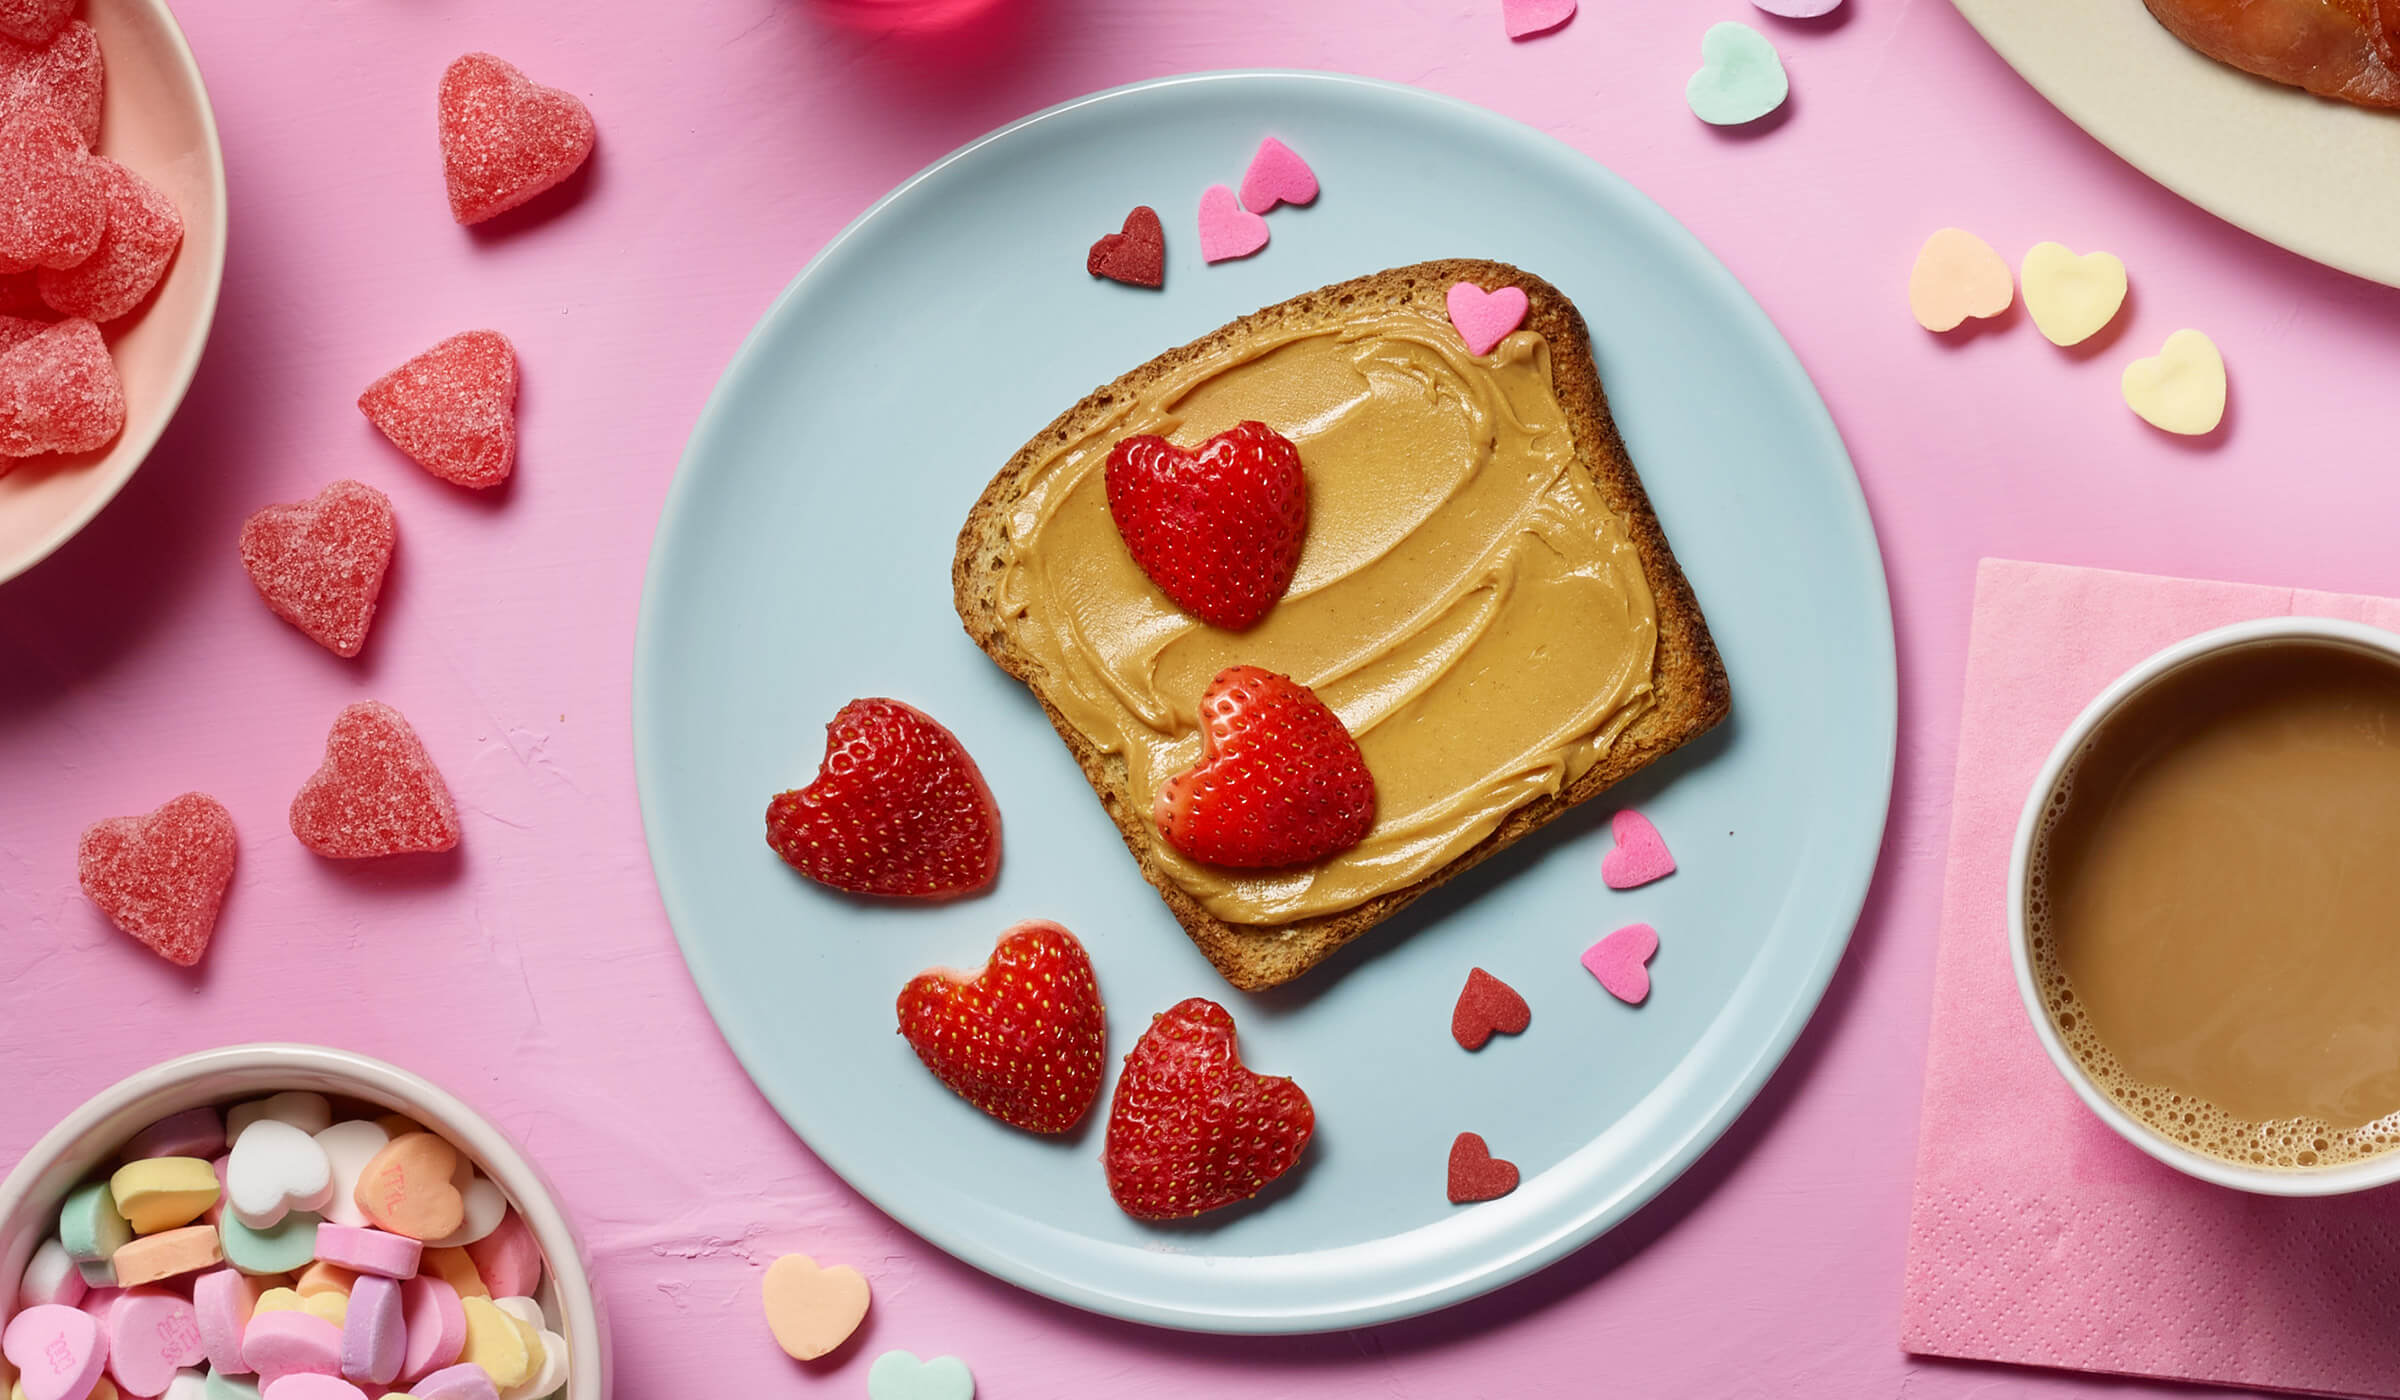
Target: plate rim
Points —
{"points": [[1847, 902]]}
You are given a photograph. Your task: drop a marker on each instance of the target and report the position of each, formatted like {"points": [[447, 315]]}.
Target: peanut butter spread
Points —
{"points": [[1466, 601]]}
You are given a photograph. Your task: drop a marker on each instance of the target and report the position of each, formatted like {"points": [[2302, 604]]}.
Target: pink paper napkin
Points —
{"points": [[2038, 1236]]}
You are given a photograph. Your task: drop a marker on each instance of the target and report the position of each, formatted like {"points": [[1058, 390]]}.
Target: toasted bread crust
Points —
{"points": [[1691, 691]]}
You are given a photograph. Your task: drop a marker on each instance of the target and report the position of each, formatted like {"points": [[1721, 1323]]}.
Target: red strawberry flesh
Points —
{"points": [[1219, 530], [1192, 1129], [1022, 1039], [898, 808], [1280, 781]]}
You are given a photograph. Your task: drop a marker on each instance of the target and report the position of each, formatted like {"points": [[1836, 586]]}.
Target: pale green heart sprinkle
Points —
{"points": [[1740, 79], [899, 1375]]}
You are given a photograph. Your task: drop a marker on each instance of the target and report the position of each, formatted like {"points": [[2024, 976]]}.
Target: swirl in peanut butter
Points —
{"points": [[1466, 601]]}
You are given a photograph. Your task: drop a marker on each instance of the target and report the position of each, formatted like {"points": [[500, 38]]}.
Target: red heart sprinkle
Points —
{"points": [[1138, 256], [506, 138], [320, 564], [377, 793], [1477, 1175], [1487, 1004], [162, 877], [453, 409]]}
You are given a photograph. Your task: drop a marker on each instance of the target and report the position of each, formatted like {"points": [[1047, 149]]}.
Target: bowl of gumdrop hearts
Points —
{"points": [[112, 252]]}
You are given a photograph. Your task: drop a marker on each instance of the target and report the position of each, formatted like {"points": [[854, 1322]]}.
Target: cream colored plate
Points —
{"points": [[2321, 178]]}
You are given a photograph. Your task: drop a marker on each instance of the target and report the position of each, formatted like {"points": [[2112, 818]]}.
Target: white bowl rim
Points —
{"points": [[135, 448], [528, 1190], [2376, 1171]]}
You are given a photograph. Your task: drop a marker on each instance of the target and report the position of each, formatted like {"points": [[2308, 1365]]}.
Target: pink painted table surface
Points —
{"points": [[535, 972]]}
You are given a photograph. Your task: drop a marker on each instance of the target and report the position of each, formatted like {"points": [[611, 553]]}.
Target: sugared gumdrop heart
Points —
{"points": [[506, 138], [52, 206], [377, 794], [59, 393], [320, 563], [65, 74], [453, 409], [162, 877], [144, 230]]}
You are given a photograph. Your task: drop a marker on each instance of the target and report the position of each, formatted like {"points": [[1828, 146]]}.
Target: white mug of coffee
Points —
{"points": [[2204, 906]]}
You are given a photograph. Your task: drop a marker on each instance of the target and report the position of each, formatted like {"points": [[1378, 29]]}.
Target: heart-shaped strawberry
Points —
{"points": [[377, 793], [453, 409], [1218, 530], [506, 138], [1136, 257], [898, 808], [162, 877], [1279, 782], [1191, 1128], [1487, 1005], [1477, 1175], [1021, 1039], [320, 564]]}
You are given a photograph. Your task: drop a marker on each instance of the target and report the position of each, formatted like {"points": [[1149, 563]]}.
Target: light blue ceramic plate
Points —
{"points": [[804, 559]]}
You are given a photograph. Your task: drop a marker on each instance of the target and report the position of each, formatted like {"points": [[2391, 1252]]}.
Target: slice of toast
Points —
{"points": [[1689, 686]]}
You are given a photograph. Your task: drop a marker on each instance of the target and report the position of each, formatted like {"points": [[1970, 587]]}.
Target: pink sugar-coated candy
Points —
{"points": [[161, 877], [305, 1386], [377, 793], [144, 230], [506, 138], [453, 409], [66, 75], [374, 1332], [509, 1259], [16, 330], [367, 1250], [152, 1334], [195, 1132], [21, 297], [319, 564], [221, 1304], [33, 21], [52, 207], [437, 1326], [98, 1303], [467, 1381], [58, 1352], [59, 392], [281, 1343]]}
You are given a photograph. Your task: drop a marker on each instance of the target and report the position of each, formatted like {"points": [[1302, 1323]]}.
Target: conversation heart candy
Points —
{"points": [[407, 1188], [453, 409], [436, 1322], [50, 1277], [1798, 9], [305, 1385], [813, 1310], [160, 1193], [2181, 389], [2070, 297], [333, 1307], [319, 564], [282, 1299], [322, 1277], [374, 1331], [501, 1345], [506, 138], [190, 1383], [1484, 319], [89, 1228], [33, 21], [195, 1132], [1525, 18], [1227, 230], [65, 75], [53, 209], [310, 1113], [99, 1302], [1277, 175], [58, 1352], [482, 1204], [280, 1248], [144, 230], [59, 392], [162, 877], [456, 1268], [275, 1169], [368, 1251], [226, 1386], [282, 1342], [509, 1259], [550, 1377], [376, 794], [349, 1145], [152, 1334], [1957, 277], [524, 1310], [222, 1304], [1740, 78], [167, 1254], [899, 1375], [464, 1381]]}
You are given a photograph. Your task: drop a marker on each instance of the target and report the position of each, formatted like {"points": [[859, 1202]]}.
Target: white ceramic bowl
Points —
{"points": [[157, 122], [91, 1135], [2271, 1181]]}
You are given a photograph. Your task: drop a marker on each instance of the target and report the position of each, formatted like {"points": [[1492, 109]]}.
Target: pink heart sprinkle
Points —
{"points": [[1526, 17], [1484, 319], [1641, 854], [152, 1334], [56, 1350], [1277, 176], [1620, 959], [1798, 9], [1226, 229]]}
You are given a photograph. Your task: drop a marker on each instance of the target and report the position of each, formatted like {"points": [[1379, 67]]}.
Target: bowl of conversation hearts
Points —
{"points": [[112, 253], [289, 1220]]}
